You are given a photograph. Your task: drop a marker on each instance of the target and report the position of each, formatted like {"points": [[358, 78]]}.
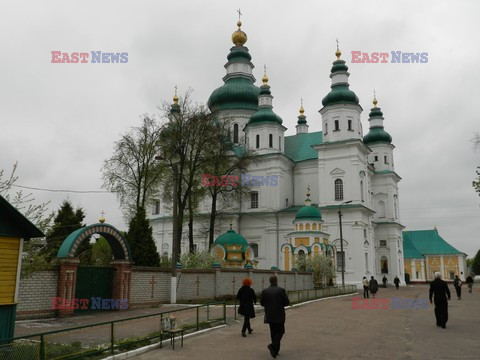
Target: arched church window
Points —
{"points": [[257, 141], [255, 249], [361, 190], [307, 227], [384, 265], [338, 189], [235, 133], [270, 140], [301, 261], [314, 227], [280, 143]]}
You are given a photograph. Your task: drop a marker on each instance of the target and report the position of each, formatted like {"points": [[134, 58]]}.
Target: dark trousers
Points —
{"points": [[365, 292], [441, 312], [276, 333], [458, 289], [246, 324]]}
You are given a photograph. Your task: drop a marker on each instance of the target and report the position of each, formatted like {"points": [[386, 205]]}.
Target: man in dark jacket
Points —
{"points": [[274, 299], [439, 289]]}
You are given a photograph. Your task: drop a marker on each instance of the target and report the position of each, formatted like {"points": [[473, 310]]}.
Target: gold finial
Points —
{"points": [[375, 102], [265, 77], [102, 219], [338, 53], [239, 38], [301, 110], [175, 98]]}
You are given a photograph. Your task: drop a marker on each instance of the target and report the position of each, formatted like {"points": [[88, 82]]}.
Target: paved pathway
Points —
{"points": [[331, 329]]}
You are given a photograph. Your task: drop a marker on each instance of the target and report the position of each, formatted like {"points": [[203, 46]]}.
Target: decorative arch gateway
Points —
{"points": [[122, 263]]}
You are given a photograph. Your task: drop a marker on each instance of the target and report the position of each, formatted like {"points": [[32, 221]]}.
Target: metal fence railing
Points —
{"points": [[94, 340], [307, 295]]}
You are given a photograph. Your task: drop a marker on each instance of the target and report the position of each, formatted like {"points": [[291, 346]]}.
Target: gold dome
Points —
{"points": [[239, 38], [301, 110], [338, 53], [101, 220], [175, 99], [265, 79]]}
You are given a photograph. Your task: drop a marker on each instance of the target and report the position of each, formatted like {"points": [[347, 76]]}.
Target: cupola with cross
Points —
{"points": [[264, 131], [232, 250], [341, 110]]}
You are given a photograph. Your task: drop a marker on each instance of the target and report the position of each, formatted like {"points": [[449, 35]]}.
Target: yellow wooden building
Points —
{"points": [[426, 252], [14, 230]]}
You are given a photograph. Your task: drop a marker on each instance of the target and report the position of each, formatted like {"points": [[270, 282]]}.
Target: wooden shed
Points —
{"points": [[14, 230]]}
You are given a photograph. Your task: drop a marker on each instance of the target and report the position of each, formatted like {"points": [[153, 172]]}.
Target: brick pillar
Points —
{"points": [[67, 281], [122, 279]]}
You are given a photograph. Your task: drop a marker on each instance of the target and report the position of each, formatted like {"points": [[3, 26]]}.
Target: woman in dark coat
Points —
{"points": [[373, 285], [247, 297]]}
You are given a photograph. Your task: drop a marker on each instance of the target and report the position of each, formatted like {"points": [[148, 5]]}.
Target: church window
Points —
{"points": [[384, 265], [416, 274], [395, 205], [307, 227], [375, 158], [255, 249], [326, 128], [340, 260], [361, 190], [235, 133], [257, 141], [337, 125], [383, 242], [338, 189], [280, 142], [301, 227], [270, 140], [314, 227], [381, 209], [254, 200], [350, 125], [385, 159], [156, 207], [365, 233]]}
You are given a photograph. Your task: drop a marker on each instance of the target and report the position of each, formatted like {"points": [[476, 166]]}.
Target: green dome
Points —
{"points": [[302, 119], [265, 115], [375, 112], [338, 66], [236, 93], [377, 134], [231, 238], [340, 94], [308, 213]]}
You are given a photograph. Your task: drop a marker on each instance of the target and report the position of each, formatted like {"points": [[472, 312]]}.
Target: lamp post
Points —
{"points": [[341, 240], [175, 245]]}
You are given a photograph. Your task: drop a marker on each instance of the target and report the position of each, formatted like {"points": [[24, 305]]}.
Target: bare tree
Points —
{"points": [[132, 172]]}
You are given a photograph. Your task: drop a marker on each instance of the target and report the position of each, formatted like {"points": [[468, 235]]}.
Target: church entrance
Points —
{"points": [[96, 283]]}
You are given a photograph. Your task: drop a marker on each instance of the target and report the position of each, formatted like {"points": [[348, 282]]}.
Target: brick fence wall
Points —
{"points": [[151, 286], [35, 295]]}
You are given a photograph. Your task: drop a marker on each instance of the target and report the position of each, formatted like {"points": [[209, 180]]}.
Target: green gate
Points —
{"points": [[93, 282]]}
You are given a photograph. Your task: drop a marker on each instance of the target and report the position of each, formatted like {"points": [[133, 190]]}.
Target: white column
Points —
{"points": [[461, 267], [414, 270], [442, 270]]}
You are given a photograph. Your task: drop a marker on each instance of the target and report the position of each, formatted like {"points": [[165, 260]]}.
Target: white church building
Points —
{"points": [[342, 168]]}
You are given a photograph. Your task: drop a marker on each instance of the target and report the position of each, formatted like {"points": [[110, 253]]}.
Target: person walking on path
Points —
{"points": [[365, 287], [457, 283], [247, 298], [274, 299], [373, 286], [439, 290], [469, 282], [396, 281], [384, 281]]}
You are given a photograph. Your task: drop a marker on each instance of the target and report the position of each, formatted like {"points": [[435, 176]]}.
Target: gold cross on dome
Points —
{"points": [[239, 14]]}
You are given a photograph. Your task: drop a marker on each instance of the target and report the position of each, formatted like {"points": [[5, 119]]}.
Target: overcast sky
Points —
{"points": [[59, 121]]}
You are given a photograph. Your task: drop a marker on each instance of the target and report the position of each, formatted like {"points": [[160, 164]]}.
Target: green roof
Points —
{"points": [[409, 250], [427, 242], [231, 238], [308, 213], [299, 147]]}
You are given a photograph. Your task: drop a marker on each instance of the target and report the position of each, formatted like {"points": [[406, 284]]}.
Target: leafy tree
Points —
{"points": [[66, 221], [38, 214], [476, 263], [132, 172], [101, 252], [197, 260], [322, 267], [140, 238]]}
